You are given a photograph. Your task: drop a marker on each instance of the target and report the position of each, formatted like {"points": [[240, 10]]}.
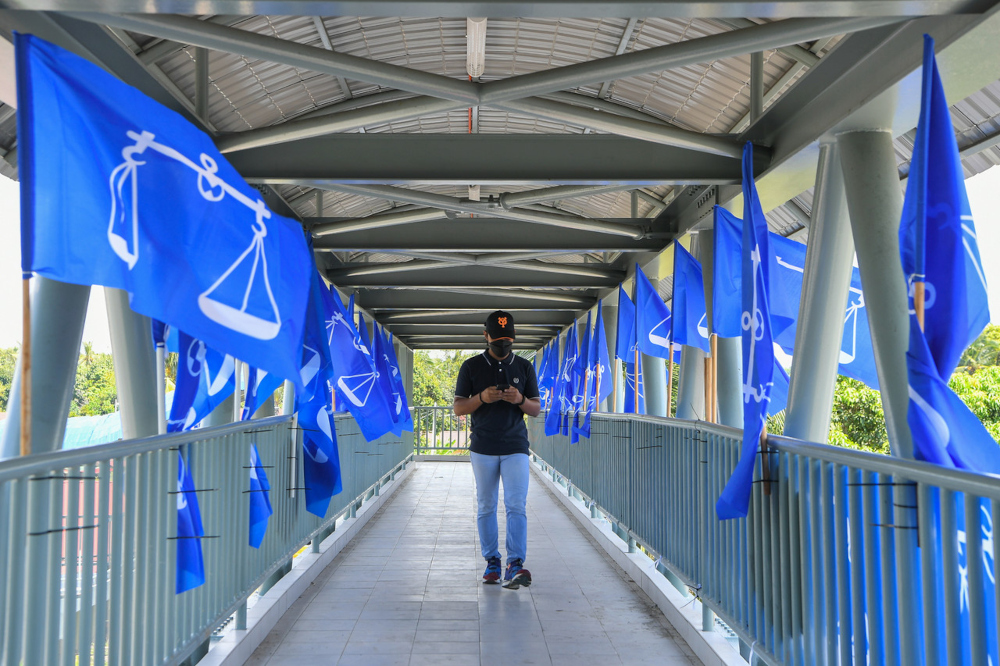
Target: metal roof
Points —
{"points": [[560, 259]]}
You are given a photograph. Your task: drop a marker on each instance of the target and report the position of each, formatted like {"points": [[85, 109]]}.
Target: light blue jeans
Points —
{"points": [[489, 470]]}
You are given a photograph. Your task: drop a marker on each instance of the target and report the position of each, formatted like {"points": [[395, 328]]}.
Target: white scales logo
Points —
{"points": [[352, 385], [316, 453], [755, 324], [664, 339], [123, 234], [197, 366]]}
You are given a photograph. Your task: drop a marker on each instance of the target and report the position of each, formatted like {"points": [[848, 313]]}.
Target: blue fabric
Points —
{"points": [[555, 419], [205, 378], [260, 500], [625, 336], [513, 470], [779, 391], [117, 190], [581, 383], [630, 390], [690, 324], [727, 299], [604, 384], [354, 374], [758, 350], [260, 385], [652, 318], [857, 356], [549, 374], [190, 563], [160, 332], [385, 382], [401, 403]]}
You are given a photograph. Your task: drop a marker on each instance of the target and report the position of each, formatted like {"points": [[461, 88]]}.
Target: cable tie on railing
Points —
{"points": [[194, 490], [654, 446], [64, 529], [261, 430], [306, 429], [61, 478], [299, 488], [906, 506], [896, 527], [259, 490], [258, 466]]}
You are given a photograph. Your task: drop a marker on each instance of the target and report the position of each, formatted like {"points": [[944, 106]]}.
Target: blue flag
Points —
{"points": [[385, 381], [205, 378], [141, 200], [562, 399], [321, 462], [581, 383], [727, 299], [548, 373], [938, 247], [260, 500], [354, 373], [652, 318], [758, 350], [260, 385], [400, 403], [600, 372], [161, 332], [690, 325], [626, 348], [190, 563], [857, 356], [635, 395]]}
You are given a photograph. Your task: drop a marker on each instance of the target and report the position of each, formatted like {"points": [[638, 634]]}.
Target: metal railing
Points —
{"points": [[87, 556], [828, 566], [437, 430]]}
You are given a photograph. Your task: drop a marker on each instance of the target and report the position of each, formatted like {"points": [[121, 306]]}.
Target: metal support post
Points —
{"points": [[729, 381], [135, 365], [829, 263], [875, 202], [609, 313], [58, 312], [266, 409], [241, 617], [691, 387], [222, 414], [707, 618], [201, 83]]}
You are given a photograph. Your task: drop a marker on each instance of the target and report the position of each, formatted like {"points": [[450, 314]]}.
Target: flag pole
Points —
{"points": [[636, 376], [26, 366], [161, 389], [918, 302], [714, 344], [670, 376], [765, 461], [708, 387]]}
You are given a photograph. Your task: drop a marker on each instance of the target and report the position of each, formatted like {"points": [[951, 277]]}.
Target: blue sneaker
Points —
{"points": [[492, 574], [516, 575]]}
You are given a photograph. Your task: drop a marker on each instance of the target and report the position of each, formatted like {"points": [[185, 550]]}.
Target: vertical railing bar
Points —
{"points": [[805, 569], [72, 561], [762, 590], [88, 567], [974, 575], [132, 514], [158, 543], [109, 470], [54, 564], [818, 591], [785, 567], [890, 627], [171, 607], [843, 575], [829, 564], [949, 560], [929, 533], [873, 586], [140, 600], [857, 567]]}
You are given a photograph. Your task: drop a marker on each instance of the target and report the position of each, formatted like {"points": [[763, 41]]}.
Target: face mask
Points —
{"points": [[501, 347]]}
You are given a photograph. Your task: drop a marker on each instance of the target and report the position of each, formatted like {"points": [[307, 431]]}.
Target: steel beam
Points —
{"points": [[373, 222], [671, 56], [544, 318], [317, 59], [521, 8], [369, 269], [410, 300], [797, 53], [653, 132], [510, 200], [479, 276], [463, 206], [546, 159], [477, 235], [443, 328]]}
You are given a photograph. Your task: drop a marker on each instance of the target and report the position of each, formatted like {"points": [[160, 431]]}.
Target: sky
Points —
{"points": [[984, 197]]}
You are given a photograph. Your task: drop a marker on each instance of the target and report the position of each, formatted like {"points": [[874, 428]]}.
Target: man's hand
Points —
{"points": [[511, 395], [492, 394]]}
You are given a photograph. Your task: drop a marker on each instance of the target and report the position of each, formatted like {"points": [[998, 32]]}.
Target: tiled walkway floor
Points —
{"points": [[408, 590]]}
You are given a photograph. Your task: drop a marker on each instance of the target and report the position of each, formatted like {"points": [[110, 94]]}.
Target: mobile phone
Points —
{"points": [[503, 387]]}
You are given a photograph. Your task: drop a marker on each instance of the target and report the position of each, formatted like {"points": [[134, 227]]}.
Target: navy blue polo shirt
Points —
{"points": [[497, 428]]}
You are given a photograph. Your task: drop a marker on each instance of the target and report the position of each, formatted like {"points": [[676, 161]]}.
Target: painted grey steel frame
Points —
{"points": [[817, 559], [87, 556], [437, 430]]}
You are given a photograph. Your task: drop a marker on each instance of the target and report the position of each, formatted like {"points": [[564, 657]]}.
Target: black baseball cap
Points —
{"points": [[500, 324]]}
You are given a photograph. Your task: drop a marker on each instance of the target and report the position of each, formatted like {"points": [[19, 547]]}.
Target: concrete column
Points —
{"points": [[654, 379], [222, 414], [875, 203], [58, 312], [691, 385], [729, 375], [288, 400], [135, 365], [825, 285], [609, 313], [266, 409]]}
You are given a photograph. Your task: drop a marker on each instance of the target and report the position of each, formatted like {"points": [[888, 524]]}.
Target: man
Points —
{"points": [[498, 388]]}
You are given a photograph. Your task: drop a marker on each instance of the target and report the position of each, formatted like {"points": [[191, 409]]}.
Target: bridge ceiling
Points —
{"points": [[580, 150]]}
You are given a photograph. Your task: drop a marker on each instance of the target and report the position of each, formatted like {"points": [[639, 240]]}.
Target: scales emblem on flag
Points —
{"points": [[237, 309]]}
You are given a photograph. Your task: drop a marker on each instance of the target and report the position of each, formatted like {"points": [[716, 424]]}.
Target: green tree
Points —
{"points": [[95, 391], [8, 361], [434, 376]]}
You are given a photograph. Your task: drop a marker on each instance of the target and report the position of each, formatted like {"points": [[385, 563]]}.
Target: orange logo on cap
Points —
{"points": [[502, 321]]}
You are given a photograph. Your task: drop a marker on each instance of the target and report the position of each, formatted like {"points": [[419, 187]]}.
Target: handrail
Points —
{"points": [[844, 556], [88, 537]]}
